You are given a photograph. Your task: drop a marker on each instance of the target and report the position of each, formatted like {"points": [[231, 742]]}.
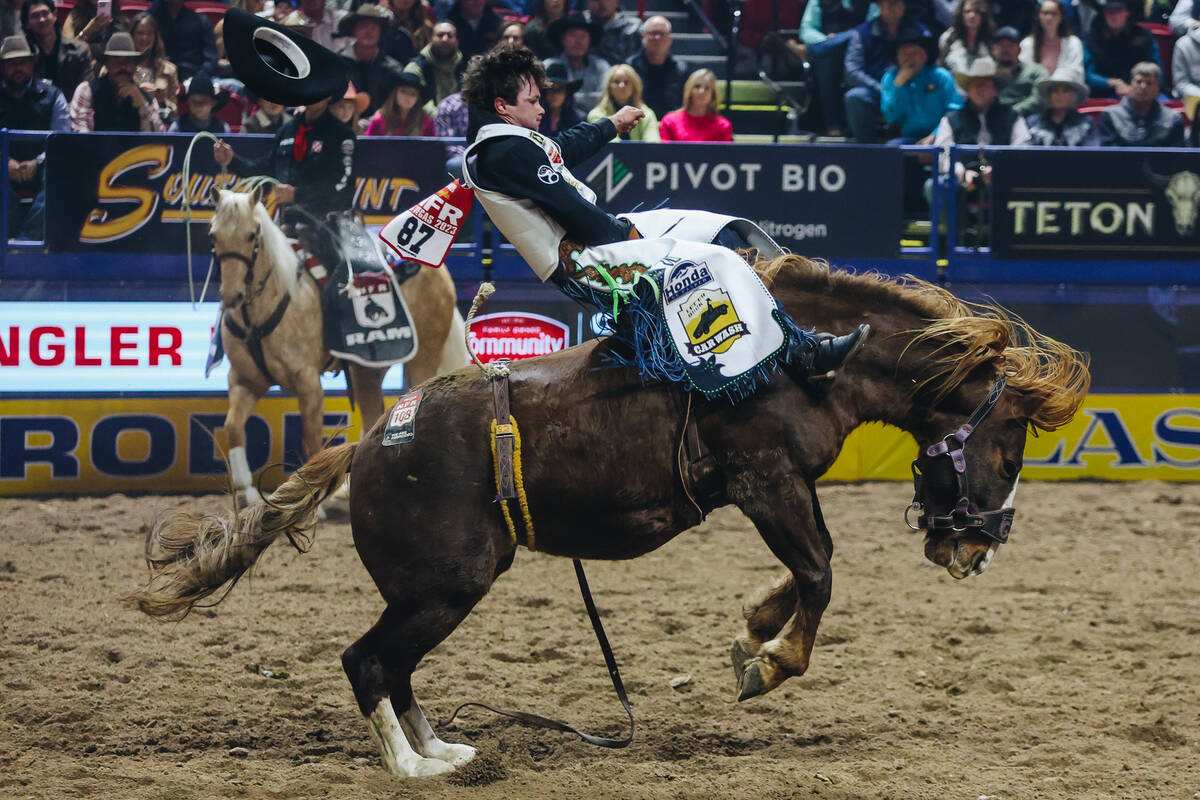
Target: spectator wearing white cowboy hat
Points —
{"points": [[27, 103], [981, 121], [114, 101], [1061, 124], [576, 36]]}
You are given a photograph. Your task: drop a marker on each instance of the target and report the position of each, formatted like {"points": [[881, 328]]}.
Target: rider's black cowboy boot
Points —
{"points": [[822, 359]]}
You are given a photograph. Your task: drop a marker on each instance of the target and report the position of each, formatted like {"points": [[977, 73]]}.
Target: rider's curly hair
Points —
{"points": [[501, 73]]}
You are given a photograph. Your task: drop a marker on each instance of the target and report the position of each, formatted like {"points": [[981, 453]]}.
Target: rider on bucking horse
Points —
{"points": [[523, 181]]}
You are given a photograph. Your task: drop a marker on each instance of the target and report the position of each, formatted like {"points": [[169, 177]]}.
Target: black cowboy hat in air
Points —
{"points": [[280, 65]]}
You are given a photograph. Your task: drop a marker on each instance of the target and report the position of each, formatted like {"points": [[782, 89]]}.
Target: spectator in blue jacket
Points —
{"points": [[188, 37], [868, 57], [916, 93]]}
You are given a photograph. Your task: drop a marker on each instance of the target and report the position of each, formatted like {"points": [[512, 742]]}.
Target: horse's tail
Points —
{"points": [[192, 556]]}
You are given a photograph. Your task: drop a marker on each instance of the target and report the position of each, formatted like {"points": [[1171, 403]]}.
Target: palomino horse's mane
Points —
{"points": [[275, 246], [965, 335]]}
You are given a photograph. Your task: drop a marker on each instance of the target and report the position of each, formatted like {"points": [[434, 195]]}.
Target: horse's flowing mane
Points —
{"points": [[964, 335], [275, 247]]}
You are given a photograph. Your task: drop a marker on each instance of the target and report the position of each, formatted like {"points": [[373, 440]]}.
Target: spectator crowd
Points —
{"points": [[903, 71]]}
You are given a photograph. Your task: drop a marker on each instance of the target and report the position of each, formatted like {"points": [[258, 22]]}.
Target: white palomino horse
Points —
{"points": [[272, 306]]}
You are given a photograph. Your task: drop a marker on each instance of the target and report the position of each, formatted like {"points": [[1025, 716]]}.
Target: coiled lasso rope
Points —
{"points": [[186, 206]]}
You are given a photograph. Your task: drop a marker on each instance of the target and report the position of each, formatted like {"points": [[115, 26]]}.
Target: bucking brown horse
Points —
{"points": [[603, 482]]}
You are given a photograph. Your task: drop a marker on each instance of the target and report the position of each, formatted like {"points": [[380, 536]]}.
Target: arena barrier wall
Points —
{"points": [[112, 397], [160, 443]]}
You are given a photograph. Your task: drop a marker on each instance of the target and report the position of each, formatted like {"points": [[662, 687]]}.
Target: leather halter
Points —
{"points": [[966, 516], [252, 334]]}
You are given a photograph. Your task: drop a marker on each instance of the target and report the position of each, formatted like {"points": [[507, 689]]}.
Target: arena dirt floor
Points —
{"points": [[1070, 669]]}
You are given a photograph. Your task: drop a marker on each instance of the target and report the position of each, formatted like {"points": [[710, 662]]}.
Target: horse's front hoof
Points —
{"points": [[759, 676], [739, 655]]}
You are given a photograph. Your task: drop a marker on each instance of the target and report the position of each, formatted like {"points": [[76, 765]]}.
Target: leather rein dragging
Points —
{"points": [[965, 516], [253, 335]]}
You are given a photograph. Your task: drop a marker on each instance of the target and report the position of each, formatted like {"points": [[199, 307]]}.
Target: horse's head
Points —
{"points": [[236, 235], [974, 423]]}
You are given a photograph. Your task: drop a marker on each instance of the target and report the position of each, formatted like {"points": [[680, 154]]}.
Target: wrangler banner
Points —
{"points": [[1096, 204], [124, 192]]}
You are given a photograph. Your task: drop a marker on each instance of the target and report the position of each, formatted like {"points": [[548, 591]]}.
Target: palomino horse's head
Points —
{"points": [[993, 379], [236, 233]]}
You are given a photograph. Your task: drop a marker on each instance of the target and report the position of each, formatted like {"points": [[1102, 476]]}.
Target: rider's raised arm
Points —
{"points": [[580, 142], [517, 167]]}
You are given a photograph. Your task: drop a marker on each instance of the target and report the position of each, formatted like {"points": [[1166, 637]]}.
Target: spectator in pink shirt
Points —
{"points": [[401, 113], [697, 120]]}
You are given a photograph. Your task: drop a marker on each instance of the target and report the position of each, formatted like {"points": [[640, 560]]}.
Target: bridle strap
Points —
{"points": [[994, 525], [252, 334]]}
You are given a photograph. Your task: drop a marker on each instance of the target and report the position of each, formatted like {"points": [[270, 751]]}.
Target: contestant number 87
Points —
{"points": [[413, 226]]}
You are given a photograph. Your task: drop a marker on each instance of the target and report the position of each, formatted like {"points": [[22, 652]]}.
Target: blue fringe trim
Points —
{"points": [[641, 340]]}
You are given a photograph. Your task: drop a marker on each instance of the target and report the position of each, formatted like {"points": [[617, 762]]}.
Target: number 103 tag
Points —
{"points": [[425, 231]]}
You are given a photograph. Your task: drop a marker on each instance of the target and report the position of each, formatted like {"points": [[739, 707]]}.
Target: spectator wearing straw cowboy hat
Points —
{"points": [[1061, 124], [113, 101], [27, 103], [371, 69], [575, 35], [202, 101], [981, 120]]}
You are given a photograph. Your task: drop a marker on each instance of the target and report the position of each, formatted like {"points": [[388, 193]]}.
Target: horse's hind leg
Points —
{"points": [[368, 393], [380, 667]]}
